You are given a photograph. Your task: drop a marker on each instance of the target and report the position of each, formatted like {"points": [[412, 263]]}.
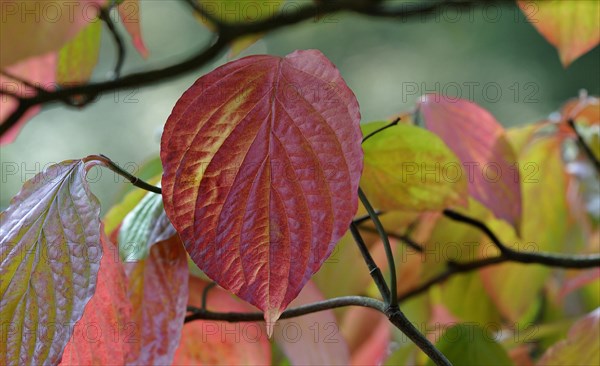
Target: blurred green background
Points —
{"points": [[489, 54]]}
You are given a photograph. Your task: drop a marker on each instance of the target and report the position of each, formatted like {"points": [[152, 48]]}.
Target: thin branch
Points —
{"points": [[548, 259], [200, 314], [405, 239], [205, 293], [226, 35], [386, 245], [452, 268], [132, 179], [105, 16], [359, 220], [397, 317], [205, 15], [374, 270], [385, 127], [584, 146]]}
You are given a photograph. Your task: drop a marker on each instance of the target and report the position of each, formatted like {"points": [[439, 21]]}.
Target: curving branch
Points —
{"points": [[374, 270], [548, 259], [338, 302], [226, 33], [506, 255], [394, 315], [105, 17]]}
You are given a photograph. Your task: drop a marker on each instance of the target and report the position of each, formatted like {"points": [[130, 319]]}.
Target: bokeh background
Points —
{"points": [[491, 55]]}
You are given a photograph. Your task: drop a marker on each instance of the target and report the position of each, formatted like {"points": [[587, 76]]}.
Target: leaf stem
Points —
{"points": [[386, 245], [584, 146], [391, 124], [132, 179]]}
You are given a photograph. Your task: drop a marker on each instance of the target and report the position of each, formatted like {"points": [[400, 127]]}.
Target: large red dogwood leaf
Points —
{"points": [[570, 26], [105, 333], [480, 143], [158, 291], [262, 160], [50, 255]]}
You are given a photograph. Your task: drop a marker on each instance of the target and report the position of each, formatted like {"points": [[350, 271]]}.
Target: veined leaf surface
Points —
{"points": [[262, 160], [50, 255]]}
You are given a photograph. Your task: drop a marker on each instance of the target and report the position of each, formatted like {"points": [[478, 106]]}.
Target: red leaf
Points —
{"points": [[158, 291], [480, 142], [205, 342], [368, 334], [578, 281], [262, 160], [105, 334], [38, 71], [50, 255], [129, 11]]}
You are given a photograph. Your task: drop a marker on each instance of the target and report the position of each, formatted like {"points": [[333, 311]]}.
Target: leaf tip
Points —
{"points": [[271, 316]]}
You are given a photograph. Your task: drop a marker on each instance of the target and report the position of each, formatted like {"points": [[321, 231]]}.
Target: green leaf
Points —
{"points": [[144, 226], [409, 168], [468, 344], [78, 58], [581, 345], [50, 255], [466, 298], [570, 26]]}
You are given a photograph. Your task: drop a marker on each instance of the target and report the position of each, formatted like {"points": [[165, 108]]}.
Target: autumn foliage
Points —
{"points": [[244, 248]]}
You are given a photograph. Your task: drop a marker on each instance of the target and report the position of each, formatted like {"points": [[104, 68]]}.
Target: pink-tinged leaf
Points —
{"points": [[105, 333], [78, 58], [579, 281], [312, 339], [158, 291], [581, 345], [546, 228], [205, 342], [50, 255], [262, 160], [368, 334], [38, 71], [480, 143], [44, 27], [129, 11], [570, 26]]}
